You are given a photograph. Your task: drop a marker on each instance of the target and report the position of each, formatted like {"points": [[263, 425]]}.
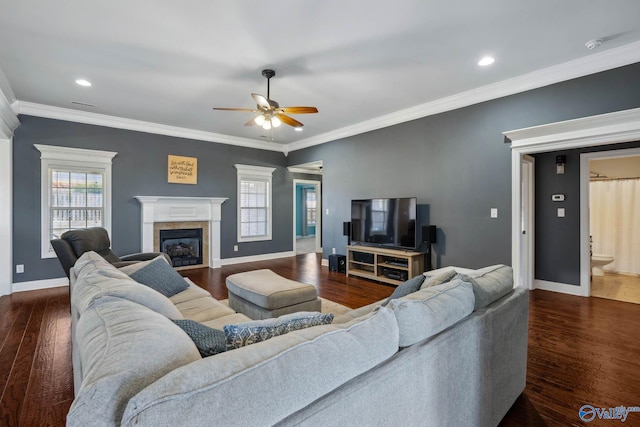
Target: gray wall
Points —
{"points": [[459, 167], [558, 239], [139, 169]]}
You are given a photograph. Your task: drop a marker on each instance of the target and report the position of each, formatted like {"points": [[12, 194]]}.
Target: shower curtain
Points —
{"points": [[615, 222]]}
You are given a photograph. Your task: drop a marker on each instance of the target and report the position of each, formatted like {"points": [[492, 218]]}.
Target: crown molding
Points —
{"points": [[59, 113], [8, 118], [619, 126], [595, 63]]}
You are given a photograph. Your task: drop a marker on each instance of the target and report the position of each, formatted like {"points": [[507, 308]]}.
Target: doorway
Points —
{"points": [[307, 221], [604, 129], [613, 206]]}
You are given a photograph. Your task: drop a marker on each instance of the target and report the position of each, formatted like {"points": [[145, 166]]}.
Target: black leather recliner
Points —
{"points": [[73, 243]]}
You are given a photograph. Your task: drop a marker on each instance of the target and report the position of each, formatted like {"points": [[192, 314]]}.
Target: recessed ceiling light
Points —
{"points": [[83, 82], [298, 129], [487, 60]]}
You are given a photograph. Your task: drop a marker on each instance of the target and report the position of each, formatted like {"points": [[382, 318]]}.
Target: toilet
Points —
{"points": [[598, 261]]}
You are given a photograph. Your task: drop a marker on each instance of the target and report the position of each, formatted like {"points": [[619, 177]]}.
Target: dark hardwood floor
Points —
{"points": [[581, 350]]}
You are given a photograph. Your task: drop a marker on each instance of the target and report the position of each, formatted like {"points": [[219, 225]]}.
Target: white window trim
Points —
{"points": [[261, 173], [64, 157]]}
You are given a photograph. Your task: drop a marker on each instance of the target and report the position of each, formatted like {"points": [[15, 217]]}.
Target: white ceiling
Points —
{"points": [[359, 62]]}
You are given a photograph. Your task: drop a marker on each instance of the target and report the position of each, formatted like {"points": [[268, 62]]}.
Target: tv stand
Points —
{"points": [[392, 266]]}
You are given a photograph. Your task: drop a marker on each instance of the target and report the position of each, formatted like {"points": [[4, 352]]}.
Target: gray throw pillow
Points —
{"points": [[489, 283], [260, 330], [439, 279], [160, 276], [406, 288], [209, 341]]}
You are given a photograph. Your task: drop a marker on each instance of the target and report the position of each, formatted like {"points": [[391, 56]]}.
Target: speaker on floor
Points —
{"points": [[429, 234], [338, 263]]}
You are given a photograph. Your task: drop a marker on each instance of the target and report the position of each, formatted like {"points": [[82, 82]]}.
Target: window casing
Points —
{"points": [[254, 203], [75, 191]]}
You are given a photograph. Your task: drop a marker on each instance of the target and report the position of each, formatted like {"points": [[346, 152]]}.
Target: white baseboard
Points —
{"points": [[34, 285], [558, 287], [254, 258], [325, 262]]}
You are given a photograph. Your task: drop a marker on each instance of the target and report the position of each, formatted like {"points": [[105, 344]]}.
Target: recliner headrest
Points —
{"points": [[87, 239]]}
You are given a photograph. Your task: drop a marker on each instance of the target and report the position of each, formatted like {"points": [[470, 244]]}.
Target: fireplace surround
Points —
{"points": [[170, 213]]}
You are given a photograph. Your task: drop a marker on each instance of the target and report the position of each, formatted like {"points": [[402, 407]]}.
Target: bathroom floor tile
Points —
{"points": [[620, 287]]}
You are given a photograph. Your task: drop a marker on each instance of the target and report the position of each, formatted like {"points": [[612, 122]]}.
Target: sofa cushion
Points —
{"points": [[406, 288], [97, 278], [489, 283], [439, 279], [197, 304], [260, 330], [123, 347], [158, 275], [263, 383], [208, 340], [423, 314]]}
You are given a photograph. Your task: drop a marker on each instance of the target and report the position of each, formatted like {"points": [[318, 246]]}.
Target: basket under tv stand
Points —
{"points": [[386, 265]]}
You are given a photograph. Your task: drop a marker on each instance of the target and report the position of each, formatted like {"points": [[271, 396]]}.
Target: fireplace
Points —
{"points": [[183, 245]]}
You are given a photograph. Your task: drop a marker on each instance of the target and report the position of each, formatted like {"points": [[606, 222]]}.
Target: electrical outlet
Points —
{"points": [[333, 251], [235, 248], [20, 268]]}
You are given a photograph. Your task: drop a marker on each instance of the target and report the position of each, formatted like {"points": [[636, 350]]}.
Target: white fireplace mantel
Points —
{"points": [[181, 209]]}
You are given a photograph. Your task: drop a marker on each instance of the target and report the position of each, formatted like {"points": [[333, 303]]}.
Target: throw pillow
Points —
{"points": [[439, 279], [489, 283], [406, 288], [158, 275], [260, 330], [209, 341]]}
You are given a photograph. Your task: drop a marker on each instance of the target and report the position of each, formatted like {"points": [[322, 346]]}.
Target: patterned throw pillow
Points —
{"points": [[208, 340], [260, 330], [158, 275], [406, 288]]}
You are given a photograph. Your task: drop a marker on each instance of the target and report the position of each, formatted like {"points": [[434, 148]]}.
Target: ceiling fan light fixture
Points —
{"points": [[267, 124], [259, 120], [275, 122]]}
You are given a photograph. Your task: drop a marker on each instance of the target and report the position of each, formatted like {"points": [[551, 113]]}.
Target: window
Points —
{"points": [[76, 191], [254, 203], [311, 206]]}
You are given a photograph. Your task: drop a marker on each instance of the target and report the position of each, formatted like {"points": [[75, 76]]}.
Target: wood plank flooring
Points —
{"points": [[581, 350]]}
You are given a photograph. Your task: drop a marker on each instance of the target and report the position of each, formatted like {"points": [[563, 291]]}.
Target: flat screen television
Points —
{"points": [[384, 222]]}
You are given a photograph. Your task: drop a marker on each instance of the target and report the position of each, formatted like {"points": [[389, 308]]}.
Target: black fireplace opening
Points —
{"points": [[184, 246]]}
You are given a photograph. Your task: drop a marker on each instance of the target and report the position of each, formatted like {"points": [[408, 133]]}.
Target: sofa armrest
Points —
{"points": [[146, 256]]}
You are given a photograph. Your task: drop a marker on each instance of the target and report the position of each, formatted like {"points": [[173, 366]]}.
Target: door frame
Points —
{"points": [[318, 185], [592, 131]]}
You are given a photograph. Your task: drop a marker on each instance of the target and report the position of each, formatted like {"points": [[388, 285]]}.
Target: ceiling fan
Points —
{"points": [[271, 113]]}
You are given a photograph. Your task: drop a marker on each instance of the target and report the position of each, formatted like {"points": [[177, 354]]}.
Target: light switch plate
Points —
{"points": [[560, 212], [494, 212]]}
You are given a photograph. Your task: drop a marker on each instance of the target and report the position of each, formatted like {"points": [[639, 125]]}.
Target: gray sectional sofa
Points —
{"points": [[447, 355]]}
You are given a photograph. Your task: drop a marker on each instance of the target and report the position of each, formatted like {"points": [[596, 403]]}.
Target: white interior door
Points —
{"points": [[527, 237]]}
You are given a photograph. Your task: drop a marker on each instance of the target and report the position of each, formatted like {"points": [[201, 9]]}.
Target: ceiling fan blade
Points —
{"points": [[261, 100], [248, 110], [289, 121], [299, 110]]}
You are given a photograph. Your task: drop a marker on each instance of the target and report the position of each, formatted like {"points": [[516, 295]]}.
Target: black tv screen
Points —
{"points": [[384, 222]]}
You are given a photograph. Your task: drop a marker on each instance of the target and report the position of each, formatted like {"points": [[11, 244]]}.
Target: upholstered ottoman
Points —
{"points": [[262, 294]]}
